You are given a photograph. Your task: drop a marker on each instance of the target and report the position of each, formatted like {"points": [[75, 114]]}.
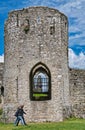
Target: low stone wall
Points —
{"points": [[77, 92]]}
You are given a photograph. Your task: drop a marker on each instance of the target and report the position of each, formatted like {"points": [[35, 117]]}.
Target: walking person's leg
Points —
{"points": [[16, 121], [22, 121]]}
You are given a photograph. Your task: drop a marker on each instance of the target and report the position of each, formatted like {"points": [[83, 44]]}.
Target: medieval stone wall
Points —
{"points": [[36, 35], [77, 92], [40, 35]]}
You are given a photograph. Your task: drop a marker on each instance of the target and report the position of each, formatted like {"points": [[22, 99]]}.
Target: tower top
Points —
{"points": [[32, 8]]}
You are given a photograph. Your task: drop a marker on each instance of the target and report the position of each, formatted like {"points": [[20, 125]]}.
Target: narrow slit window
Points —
{"points": [[52, 30]]}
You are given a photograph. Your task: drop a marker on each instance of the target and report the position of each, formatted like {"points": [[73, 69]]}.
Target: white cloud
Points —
{"points": [[76, 61], [71, 6], [75, 9], [1, 58]]}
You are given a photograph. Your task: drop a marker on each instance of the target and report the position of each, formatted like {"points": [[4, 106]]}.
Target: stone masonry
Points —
{"points": [[32, 36], [77, 92]]}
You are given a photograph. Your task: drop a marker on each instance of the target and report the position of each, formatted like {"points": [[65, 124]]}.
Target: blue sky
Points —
{"points": [[73, 9]]}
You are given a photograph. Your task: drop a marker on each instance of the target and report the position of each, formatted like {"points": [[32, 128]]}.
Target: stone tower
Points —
{"points": [[36, 71]]}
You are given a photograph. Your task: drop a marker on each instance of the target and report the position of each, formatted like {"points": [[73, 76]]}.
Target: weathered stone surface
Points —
{"points": [[44, 40], [77, 92], [33, 35]]}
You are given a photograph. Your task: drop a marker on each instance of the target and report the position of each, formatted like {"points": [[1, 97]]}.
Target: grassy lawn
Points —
{"points": [[71, 124], [40, 95]]}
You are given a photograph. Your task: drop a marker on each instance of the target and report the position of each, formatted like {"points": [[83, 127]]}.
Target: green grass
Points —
{"points": [[71, 124], [40, 95]]}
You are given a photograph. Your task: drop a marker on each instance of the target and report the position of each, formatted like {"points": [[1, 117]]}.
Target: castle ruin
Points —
{"points": [[36, 71]]}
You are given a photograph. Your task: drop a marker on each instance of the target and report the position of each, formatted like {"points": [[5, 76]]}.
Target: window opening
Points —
{"points": [[52, 30], [52, 27], [26, 26], [38, 19], [40, 83]]}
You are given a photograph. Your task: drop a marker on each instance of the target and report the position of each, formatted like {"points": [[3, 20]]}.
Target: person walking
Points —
{"points": [[20, 116]]}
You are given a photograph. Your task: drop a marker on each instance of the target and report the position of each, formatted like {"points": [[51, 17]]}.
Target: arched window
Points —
{"points": [[40, 82]]}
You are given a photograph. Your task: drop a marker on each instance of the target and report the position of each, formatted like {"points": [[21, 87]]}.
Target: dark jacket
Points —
{"points": [[19, 112]]}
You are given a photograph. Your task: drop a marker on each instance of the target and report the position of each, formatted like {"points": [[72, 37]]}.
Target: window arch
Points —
{"points": [[40, 82]]}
